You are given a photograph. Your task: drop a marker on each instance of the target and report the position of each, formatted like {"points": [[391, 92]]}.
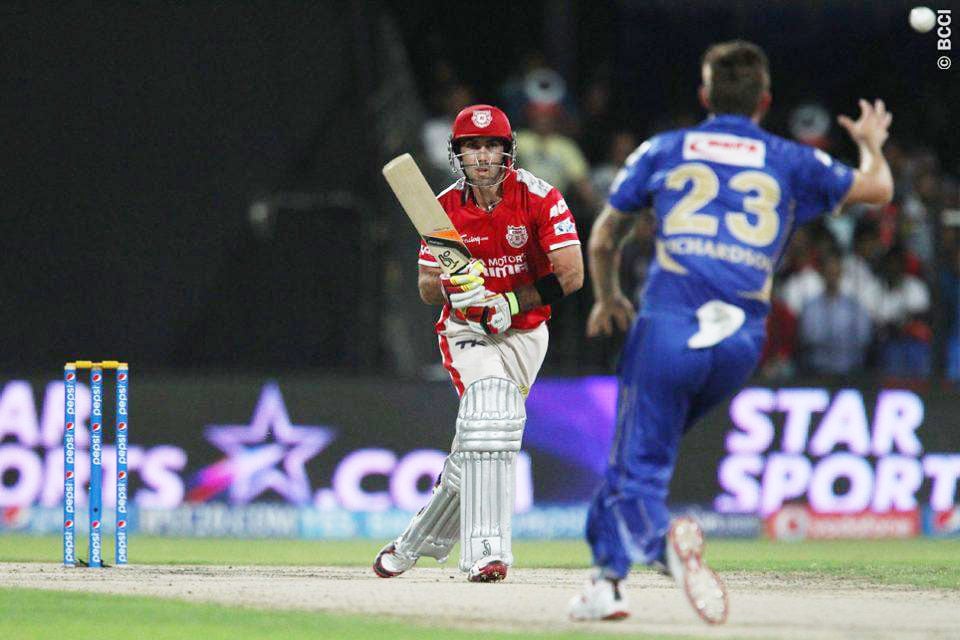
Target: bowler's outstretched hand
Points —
{"points": [[872, 127], [607, 314]]}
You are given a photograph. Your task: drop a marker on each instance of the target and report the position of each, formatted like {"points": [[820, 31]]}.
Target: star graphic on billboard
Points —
{"points": [[255, 462]]}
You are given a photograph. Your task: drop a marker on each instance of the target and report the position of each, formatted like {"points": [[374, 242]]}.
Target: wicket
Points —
{"points": [[95, 502]]}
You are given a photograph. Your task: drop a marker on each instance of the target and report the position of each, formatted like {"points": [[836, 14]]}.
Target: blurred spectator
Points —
{"points": [[859, 279], [776, 361], [810, 124], [950, 304], [798, 254], [834, 329], [903, 327], [802, 287], [949, 281], [554, 157], [597, 124], [918, 210], [622, 145], [799, 269], [436, 131], [536, 82]]}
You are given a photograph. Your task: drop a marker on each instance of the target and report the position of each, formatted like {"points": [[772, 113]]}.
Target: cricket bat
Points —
{"points": [[432, 223]]}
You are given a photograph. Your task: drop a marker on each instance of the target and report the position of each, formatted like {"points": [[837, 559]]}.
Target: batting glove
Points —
{"points": [[494, 314], [465, 287]]}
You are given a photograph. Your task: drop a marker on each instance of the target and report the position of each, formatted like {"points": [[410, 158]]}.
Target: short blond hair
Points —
{"points": [[739, 76]]}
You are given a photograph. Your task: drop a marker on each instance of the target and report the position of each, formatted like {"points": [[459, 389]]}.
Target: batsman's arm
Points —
{"points": [[604, 250], [567, 278], [494, 314], [428, 281]]}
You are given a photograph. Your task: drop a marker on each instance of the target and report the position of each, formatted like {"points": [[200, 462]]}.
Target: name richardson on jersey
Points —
{"points": [[732, 253]]}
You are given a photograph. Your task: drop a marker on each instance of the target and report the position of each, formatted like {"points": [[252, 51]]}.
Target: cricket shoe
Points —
{"points": [[390, 563], [491, 569], [702, 586], [602, 599]]}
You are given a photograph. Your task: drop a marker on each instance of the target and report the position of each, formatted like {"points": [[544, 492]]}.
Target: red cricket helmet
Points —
{"points": [[481, 120]]}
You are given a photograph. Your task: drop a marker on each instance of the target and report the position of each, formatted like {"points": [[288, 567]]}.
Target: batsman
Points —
{"points": [[493, 337]]}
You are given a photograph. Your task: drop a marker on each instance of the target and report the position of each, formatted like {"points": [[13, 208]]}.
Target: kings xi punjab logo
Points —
{"points": [[482, 118], [517, 236]]}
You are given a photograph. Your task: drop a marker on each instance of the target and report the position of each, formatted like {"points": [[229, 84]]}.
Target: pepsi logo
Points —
{"points": [[69, 426], [121, 377], [71, 377], [97, 377], [67, 524], [69, 474], [121, 426], [95, 426], [95, 524], [121, 475], [121, 524]]}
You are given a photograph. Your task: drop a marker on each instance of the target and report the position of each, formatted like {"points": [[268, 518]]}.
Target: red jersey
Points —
{"points": [[514, 239]]}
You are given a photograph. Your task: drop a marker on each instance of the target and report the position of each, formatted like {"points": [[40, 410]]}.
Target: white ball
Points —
{"points": [[922, 19]]}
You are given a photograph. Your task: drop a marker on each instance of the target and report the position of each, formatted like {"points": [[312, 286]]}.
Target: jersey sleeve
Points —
{"points": [[555, 223], [821, 184], [426, 258], [630, 190]]}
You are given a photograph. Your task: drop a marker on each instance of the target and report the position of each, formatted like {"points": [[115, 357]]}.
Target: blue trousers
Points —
{"points": [[664, 387]]}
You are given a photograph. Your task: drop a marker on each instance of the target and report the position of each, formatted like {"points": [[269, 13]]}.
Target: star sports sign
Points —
{"points": [[31, 453], [265, 458], [270, 454], [831, 451]]}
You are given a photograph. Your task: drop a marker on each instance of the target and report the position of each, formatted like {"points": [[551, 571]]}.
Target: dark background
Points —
{"points": [[197, 186]]}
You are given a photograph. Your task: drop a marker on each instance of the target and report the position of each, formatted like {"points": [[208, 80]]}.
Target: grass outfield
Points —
{"points": [[920, 562], [26, 614]]}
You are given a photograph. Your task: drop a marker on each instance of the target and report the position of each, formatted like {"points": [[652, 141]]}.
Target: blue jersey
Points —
{"points": [[727, 196]]}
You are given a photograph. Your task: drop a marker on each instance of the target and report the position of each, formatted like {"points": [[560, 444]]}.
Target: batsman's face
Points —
{"points": [[483, 160]]}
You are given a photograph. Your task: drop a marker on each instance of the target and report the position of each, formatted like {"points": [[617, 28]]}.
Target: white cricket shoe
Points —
{"points": [[491, 569], [702, 586], [602, 599], [390, 563]]}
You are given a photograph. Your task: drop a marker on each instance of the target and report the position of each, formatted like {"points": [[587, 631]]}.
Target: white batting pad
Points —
{"points": [[489, 431], [433, 531]]}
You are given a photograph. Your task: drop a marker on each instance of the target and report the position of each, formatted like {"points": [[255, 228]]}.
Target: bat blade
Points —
{"points": [[421, 206]]}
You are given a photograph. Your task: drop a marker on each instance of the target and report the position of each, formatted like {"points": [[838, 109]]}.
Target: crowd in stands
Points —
{"points": [[867, 289]]}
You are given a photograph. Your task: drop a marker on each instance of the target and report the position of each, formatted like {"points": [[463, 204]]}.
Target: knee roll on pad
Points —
{"points": [[450, 476], [489, 432], [491, 416], [433, 531]]}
